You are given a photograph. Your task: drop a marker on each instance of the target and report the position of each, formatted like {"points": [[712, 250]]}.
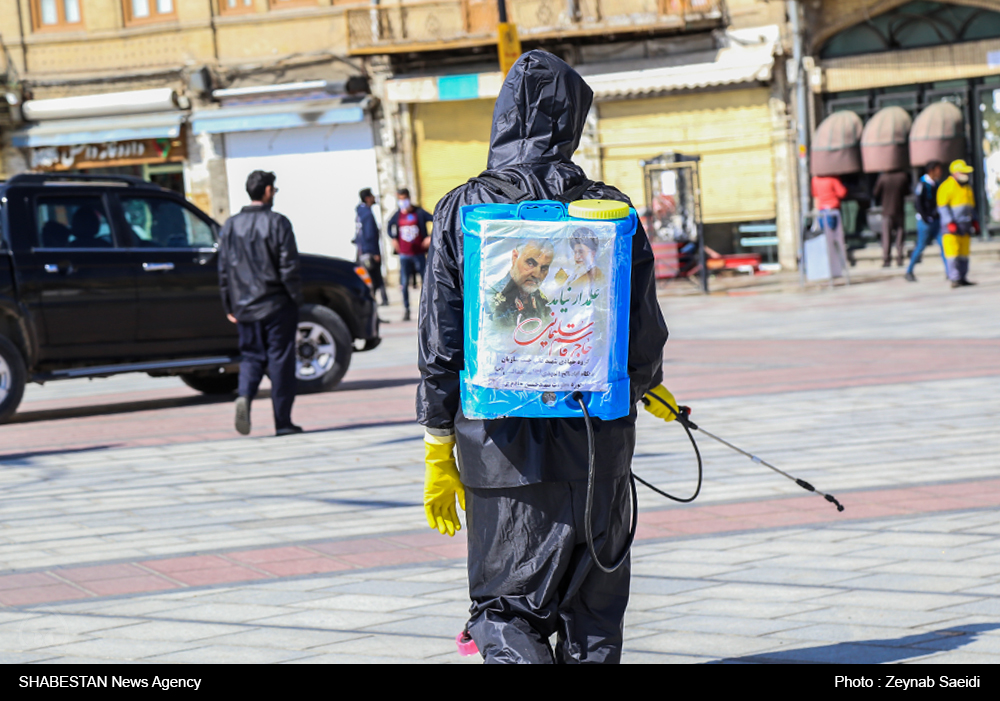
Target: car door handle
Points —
{"points": [[154, 267], [64, 267]]}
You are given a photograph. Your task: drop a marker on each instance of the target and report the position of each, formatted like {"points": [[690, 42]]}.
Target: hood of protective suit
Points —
{"points": [[540, 112]]}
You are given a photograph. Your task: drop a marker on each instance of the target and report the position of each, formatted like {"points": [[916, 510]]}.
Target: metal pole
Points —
{"points": [[801, 124], [702, 257]]}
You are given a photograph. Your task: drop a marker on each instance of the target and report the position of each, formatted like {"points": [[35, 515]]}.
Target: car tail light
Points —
{"points": [[363, 274]]}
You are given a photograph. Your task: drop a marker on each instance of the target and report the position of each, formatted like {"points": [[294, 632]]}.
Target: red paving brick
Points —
{"points": [[256, 557], [27, 580], [130, 585], [312, 565], [41, 595], [348, 547], [217, 575], [85, 575], [187, 564]]}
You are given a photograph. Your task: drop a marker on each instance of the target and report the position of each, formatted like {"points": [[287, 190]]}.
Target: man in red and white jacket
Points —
{"points": [[408, 231]]}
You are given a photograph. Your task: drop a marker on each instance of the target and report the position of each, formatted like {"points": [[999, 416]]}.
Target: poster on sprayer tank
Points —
{"points": [[546, 305]]}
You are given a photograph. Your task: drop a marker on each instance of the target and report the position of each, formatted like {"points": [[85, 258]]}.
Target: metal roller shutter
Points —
{"points": [[452, 144], [731, 130]]}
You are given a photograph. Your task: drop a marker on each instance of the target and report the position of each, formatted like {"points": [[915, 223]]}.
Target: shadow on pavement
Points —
{"points": [[14, 457], [77, 412], [872, 651], [367, 424], [89, 410], [355, 385]]}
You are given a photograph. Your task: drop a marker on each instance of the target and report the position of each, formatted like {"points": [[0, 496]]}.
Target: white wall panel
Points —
{"points": [[319, 172]]}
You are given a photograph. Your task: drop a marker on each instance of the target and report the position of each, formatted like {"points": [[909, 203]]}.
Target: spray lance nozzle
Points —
{"points": [[683, 413]]}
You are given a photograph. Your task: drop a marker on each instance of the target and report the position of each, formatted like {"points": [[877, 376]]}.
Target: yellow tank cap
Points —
{"points": [[598, 209]]}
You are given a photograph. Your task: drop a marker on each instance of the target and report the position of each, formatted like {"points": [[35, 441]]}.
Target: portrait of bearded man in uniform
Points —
{"points": [[518, 295]]}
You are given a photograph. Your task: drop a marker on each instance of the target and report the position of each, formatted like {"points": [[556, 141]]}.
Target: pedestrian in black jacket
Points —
{"points": [[261, 293], [524, 480]]}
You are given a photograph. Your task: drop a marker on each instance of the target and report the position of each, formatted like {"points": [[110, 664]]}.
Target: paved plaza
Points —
{"points": [[136, 525]]}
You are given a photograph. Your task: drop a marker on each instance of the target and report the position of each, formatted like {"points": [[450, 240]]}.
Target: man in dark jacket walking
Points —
{"points": [[261, 293], [524, 480], [366, 237]]}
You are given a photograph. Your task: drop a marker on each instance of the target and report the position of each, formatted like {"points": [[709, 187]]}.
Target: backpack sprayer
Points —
{"points": [[546, 314]]}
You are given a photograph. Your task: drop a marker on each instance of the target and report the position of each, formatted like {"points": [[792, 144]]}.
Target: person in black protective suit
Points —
{"points": [[524, 480]]}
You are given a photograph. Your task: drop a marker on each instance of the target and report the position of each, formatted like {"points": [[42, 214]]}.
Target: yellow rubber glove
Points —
{"points": [[442, 484], [656, 408]]}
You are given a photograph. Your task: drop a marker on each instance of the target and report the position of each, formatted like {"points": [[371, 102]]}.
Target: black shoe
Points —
{"points": [[288, 430], [910, 277], [966, 283], [406, 315], [243, 415]]}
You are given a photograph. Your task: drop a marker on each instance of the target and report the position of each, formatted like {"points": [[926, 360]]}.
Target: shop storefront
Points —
{"points": [[912, 57], [159, 161], [321, 147], [716, 104], [97, 134]]}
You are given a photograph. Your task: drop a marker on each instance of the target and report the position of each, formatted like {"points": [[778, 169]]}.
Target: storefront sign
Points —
{"points": [[114, 153]]}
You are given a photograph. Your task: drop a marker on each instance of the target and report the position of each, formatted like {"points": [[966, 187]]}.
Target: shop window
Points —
{"points": [[56, 14], [914, 25], [143, 11], [236, 7]]}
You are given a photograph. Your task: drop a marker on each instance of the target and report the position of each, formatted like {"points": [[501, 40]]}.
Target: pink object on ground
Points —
{"points": [[466, 645]]}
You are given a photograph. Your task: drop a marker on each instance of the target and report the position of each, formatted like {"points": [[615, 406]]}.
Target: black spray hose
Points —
{"points": [[682, 416], [591, 474]]}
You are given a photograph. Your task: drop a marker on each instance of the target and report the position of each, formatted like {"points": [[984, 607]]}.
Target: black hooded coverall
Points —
{"points": [[525, 479]]}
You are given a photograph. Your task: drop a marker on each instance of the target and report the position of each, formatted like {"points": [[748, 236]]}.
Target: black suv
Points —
{"points": [[101, 275]]}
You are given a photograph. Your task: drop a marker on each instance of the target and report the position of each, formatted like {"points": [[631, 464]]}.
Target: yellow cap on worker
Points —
{"points": [[598, 209], [960, 166]]}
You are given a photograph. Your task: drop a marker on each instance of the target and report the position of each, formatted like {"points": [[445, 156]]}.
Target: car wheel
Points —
{"points": [[212, 384], [13, 377], [323, 348]]}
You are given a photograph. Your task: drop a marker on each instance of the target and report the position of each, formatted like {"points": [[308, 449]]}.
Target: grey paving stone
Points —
{"points": [[443, 627], [666, 585], [987, 606], [176, 631], [738, 608], [707, 644], [331, 620], [109, 648], [226, 613], [845, 633], [363, 602], [892, 618], [399, 646], [906, 601], [914, 582], [395, 587], [279, 638], [226, 654], [726, 625]]}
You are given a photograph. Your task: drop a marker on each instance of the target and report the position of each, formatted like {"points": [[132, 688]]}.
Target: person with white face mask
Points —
{"points": [[959, 220], [408, 232]]}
